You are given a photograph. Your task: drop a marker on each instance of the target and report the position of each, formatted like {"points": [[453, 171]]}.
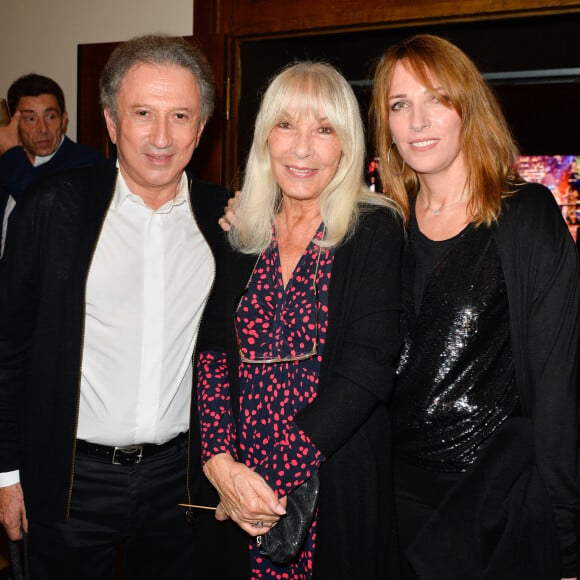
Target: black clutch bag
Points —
{"points": [[284, 541]]}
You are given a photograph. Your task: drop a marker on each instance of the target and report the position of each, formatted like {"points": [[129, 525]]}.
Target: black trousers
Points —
{"points": [[125, 523], [417, 493]]}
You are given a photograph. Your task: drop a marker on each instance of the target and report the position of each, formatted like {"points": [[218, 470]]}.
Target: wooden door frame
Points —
{"points": [[222, 26], [243, 20]]}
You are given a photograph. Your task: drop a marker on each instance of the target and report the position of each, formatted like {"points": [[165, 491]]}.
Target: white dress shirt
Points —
{"points": [[148, 282]]}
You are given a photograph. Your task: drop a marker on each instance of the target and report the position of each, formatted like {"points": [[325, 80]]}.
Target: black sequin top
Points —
{"points": [[456, 382]]}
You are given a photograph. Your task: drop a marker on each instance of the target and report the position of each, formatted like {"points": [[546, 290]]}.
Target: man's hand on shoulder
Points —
{"points": [[12, 511], [9, 134]]}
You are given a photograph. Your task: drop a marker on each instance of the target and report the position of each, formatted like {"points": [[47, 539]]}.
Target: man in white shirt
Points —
{"points": [[103, 289]]}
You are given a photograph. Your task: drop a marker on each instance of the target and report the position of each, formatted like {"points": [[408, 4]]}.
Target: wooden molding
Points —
{"points": [[266, 17], [208, 17]]}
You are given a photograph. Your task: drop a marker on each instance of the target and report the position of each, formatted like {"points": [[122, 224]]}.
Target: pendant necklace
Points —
{"points": [[436, 212]]}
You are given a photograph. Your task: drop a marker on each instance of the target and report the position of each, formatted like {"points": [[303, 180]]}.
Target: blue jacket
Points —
{"points": [[16, 171]]}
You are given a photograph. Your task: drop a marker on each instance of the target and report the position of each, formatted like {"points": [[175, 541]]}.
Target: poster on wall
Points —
{"points": [[561, 175]]}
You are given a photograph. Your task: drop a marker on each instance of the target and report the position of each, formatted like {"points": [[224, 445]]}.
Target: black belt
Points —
{"points": [[127, 455]]}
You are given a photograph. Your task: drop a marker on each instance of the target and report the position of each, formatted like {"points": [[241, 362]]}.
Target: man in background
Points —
{"points": [[34, 144], [102, 289]]}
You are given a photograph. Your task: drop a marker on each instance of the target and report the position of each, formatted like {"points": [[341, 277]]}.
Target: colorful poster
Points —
{"points": [[560, 174]]}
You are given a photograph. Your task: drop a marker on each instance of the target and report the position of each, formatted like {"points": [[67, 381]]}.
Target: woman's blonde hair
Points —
{"points": [[488, 147], [318, 89]]}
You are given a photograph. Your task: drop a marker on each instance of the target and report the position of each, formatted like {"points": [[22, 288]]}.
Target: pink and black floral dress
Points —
{"points": [[273, 322]]}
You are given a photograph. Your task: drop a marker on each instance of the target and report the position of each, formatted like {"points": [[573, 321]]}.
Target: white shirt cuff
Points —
{"points": [[9, 478]]}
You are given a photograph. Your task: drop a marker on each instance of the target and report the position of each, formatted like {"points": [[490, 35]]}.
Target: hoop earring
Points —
{"points": [[389, 163]]}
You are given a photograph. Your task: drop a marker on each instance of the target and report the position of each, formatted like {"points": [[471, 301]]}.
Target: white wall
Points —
{"points": [[41, 36]]}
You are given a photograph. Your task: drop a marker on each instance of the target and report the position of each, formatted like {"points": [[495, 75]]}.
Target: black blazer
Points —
{"points": [[516, 513], [43, 274]]}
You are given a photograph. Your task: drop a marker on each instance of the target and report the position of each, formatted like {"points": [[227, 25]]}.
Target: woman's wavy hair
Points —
{"points": [[318, 89], [488, 147]]}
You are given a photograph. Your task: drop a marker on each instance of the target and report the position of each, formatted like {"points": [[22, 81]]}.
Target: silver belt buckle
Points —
{"points": [[136, 450]]}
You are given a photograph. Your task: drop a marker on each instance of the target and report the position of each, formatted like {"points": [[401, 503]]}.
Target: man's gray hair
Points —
{"points": [[161, 50]]}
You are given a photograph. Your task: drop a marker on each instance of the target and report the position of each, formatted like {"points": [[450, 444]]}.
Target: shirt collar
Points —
{"points": [[38, 160], [122, 193]]}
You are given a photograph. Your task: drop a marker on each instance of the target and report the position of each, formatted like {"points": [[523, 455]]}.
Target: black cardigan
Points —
{"points": [[347, 421], [516, 514], [542, 274], [43, 274]]}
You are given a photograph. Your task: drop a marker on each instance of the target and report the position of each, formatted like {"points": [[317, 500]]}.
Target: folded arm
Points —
{"points": [[360, 375]]}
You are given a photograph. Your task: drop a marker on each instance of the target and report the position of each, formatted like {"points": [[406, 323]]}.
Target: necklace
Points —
{"points": [[436, 212]]}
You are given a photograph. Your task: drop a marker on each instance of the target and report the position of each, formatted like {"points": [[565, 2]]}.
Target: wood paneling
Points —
{"points": [[266, 17], [91, 59], [225, 29]]}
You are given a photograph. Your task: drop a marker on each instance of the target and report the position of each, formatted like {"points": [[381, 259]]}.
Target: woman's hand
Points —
{"points": [[245, 496], [229, 217]]}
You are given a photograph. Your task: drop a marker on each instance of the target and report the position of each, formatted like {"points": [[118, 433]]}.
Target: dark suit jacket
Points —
{"points": [[42, 296]]}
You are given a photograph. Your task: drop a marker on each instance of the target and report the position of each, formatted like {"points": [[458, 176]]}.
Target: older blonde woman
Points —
{"points": [[295, 376]]}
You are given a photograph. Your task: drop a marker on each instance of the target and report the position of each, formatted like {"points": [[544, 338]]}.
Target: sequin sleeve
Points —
{"points": [[215, 412]]}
